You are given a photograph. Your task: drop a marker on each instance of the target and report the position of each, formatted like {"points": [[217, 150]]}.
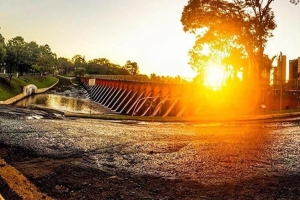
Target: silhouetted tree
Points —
{"points": [[227, 26], [295, 1]]}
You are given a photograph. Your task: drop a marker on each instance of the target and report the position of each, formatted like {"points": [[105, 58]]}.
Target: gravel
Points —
{"points": [[207, 154]]}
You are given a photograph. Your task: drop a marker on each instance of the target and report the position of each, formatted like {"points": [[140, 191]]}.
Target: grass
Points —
{"points": [[16, 87]]}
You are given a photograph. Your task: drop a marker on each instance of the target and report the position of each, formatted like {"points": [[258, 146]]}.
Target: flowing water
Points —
{"points": [[62, 103]]}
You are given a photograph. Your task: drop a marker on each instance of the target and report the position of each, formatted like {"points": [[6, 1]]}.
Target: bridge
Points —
{"points": [[171, 97]]}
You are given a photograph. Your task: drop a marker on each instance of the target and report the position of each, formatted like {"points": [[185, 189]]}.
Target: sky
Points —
{"points": [[147, 32]]}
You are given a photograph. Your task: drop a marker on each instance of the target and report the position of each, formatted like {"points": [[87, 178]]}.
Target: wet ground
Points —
{"points": [[95, 159]]}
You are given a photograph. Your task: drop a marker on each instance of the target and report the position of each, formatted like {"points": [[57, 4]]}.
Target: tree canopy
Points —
{"points": [[15, 55], [20, 56], [132, 67], [235, 32], [104, 66], [24, 57], [2, 49], [229, 28]]}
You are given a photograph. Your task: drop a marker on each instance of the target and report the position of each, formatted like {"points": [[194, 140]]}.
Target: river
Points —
{"points": [[62, 104], [64, 98]]}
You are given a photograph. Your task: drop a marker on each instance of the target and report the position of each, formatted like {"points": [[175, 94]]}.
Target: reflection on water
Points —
{"points": [[62, 103]]}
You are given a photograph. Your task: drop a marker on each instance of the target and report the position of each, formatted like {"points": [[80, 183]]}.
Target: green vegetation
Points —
{"points": [[22, 57], [9, 90]]}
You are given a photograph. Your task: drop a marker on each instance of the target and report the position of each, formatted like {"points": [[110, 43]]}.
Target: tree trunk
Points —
{"points": [[252, 95], [10, 75]]}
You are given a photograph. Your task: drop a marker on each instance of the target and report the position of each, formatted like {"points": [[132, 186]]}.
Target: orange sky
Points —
{"points": [[147, 32]]}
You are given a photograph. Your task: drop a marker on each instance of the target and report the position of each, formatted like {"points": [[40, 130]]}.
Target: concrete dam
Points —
{"points": [[140, 96]]}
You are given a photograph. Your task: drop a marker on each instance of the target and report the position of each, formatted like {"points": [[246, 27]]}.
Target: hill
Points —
{"points": [[8, 90]]}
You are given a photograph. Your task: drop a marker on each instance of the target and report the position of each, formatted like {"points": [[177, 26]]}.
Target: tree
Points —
{"points": [[243, 26], [98, 66], [295, 1], [118, 70], [33, 53], [240, 25], [46, 60], [2, 50], [64, 66], [132, 67], [15, 58], [104, 66], [23, 57], [79, 65]]}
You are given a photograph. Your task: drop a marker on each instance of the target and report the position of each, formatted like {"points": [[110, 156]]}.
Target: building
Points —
{"points": [[280, 70], [294, 68], [294, 72]]}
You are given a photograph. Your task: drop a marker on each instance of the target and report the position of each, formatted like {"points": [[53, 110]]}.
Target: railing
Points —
{"points": [[142, 78], [139, 78]]}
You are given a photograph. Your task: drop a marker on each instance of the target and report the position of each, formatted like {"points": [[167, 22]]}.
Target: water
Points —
{"points": [[62, 103]]}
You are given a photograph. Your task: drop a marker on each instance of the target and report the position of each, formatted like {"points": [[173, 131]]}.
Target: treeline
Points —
{"points": [[20, 57]]}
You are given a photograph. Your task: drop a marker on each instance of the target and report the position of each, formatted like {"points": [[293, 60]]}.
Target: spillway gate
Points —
{"points": [[140, 96]]}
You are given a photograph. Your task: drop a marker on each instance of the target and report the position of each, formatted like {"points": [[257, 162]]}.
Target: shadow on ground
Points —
{"points": [[63, 179]]}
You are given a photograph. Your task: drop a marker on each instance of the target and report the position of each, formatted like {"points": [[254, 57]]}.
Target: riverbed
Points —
{"points": [[251, 161]]}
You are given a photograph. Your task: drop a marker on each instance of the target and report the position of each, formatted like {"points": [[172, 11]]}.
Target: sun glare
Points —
{"points": [[214, 76]]}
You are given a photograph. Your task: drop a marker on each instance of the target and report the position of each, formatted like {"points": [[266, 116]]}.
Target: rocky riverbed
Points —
{"points": [[95, 159]]}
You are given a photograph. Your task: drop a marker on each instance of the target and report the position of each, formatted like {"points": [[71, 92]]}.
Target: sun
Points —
{"points": [[214, 76]]}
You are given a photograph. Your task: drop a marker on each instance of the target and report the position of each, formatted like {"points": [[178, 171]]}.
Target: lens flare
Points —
{"points": [[214, 76]]}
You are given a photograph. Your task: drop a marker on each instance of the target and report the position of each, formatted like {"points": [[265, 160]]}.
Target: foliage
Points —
{"points": [[79, 61], [64, 66], [26, 57], [33, 53], [235, 33], [98, 66], [105, 67], [79, 64], [46, 59], [295, 1], [132, 67], [2, 50], [23, 57], [16, 55]]}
